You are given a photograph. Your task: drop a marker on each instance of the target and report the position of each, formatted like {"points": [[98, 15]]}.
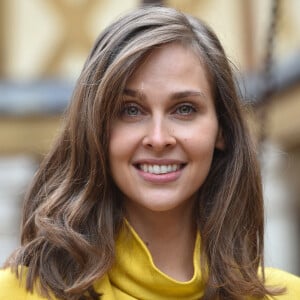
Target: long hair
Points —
{"points": [[73, 210]]}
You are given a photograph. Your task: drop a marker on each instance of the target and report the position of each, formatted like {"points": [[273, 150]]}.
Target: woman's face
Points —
{"points": [[162, 143]]}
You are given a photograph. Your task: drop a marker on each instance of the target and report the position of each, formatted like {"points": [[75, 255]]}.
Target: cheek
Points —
{"points": [[199, 150], [200, 139], [122, 142]]}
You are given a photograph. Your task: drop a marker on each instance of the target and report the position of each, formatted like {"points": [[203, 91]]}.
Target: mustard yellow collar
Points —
{"points": [[135, 274]]}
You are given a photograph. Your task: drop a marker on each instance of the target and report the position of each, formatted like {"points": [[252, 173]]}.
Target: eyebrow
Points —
{"points": [[175, 95]]}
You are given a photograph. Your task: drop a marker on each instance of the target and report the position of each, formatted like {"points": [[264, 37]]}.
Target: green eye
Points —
{"points": [[131, 110], [185, 109]]}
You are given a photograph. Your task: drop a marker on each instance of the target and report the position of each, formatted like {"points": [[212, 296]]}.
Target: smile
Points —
{"points": [[159, 169]]}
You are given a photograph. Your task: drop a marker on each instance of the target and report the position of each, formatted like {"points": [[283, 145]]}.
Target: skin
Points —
{"points": [[168, 118]]}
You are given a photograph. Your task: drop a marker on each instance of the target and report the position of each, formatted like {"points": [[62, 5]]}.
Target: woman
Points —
{"points": [[152, 190]]}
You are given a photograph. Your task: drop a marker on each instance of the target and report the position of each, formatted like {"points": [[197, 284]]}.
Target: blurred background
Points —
{"points": [[43, 45]]}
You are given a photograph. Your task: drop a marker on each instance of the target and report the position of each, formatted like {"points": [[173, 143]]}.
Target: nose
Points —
{"points": [[159, 135]]}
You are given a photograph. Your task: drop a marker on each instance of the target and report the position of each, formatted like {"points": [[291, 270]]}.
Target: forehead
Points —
{"points": [[172, 63], [170, 53]]}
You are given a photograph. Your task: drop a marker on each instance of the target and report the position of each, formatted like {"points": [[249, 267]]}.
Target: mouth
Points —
{"points": [[159, 169]]}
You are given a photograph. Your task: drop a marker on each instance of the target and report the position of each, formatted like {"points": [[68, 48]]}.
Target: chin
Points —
{"points": [[160, 206]]}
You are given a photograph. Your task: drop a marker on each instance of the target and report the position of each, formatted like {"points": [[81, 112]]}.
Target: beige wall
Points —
{"points": [[41, 32], [35, 30]]}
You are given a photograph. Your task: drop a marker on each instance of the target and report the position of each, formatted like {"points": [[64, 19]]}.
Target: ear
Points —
{"points": [[220, 143]]}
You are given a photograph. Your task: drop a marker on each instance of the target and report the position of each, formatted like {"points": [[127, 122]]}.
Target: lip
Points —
{"points": [[153, 161], [159, 178]]}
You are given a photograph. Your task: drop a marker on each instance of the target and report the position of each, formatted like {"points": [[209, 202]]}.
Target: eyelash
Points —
{"points": [[139, 111], [127, 106], [191, 107]]}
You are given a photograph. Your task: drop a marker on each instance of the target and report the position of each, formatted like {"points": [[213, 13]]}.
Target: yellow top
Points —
{"points": [[134, 276]]}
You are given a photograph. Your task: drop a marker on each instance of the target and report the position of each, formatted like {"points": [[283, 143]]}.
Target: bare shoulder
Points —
{"points": [[275, 277], [12, 288]]}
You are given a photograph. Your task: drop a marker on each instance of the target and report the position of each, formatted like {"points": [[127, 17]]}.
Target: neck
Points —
{"points": [[161, 225], [169, 236]]}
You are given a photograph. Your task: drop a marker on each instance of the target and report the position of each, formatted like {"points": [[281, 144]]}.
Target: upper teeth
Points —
{"points": [[159, 169]]}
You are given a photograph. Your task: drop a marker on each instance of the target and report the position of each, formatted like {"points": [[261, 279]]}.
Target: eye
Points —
{"points": [[185, 109], [131, 110]]}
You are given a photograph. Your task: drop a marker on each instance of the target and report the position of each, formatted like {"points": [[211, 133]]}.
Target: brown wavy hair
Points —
{"points": [[73, 210]]}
